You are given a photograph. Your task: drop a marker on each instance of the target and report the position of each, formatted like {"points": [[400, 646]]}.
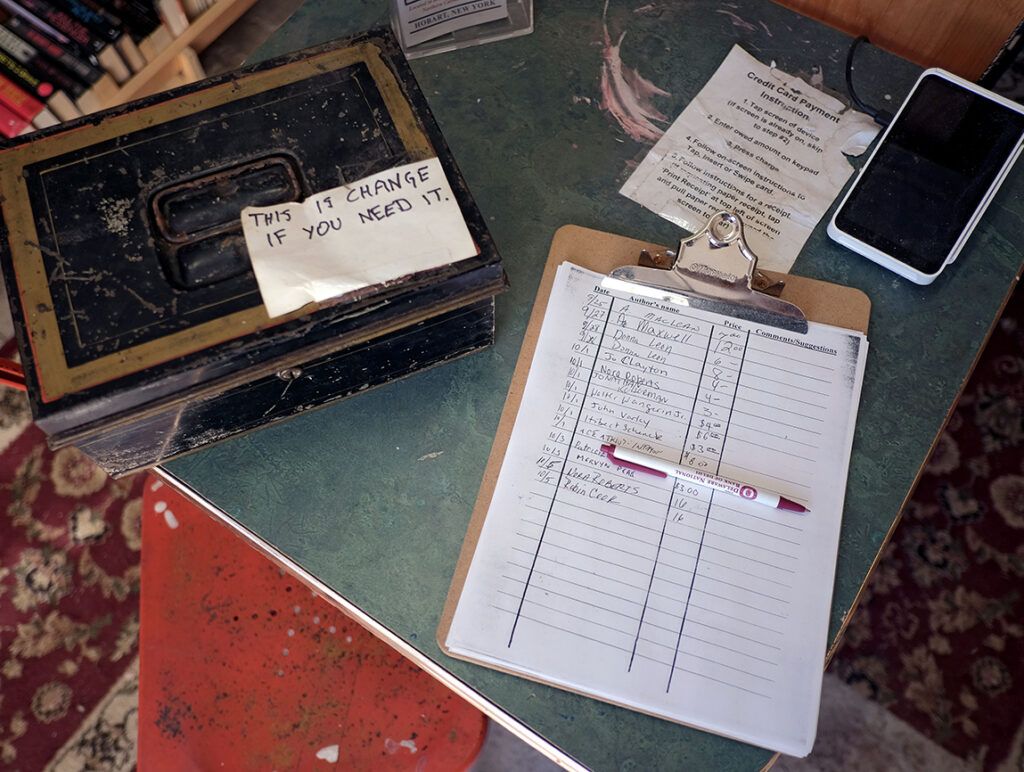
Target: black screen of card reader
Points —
{"points": [[932, 171]]}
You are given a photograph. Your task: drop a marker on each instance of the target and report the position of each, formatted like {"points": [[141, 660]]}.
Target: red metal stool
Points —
{"points": [[242, 667]]}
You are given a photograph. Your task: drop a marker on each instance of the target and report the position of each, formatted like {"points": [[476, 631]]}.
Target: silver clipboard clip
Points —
{"points": [[716, 271]]}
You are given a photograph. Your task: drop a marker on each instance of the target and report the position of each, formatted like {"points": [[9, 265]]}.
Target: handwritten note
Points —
{"points": [[758, 142], [658, 594], [423, 20], [374, 230]]}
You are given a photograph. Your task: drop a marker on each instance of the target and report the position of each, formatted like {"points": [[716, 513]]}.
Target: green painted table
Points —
{"points": [[369, 499]]}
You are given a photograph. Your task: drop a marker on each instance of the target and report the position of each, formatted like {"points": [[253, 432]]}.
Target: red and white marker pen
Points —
{"points": [[641, 462]]}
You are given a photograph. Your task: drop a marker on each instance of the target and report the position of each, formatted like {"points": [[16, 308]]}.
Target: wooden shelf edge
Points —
{"points": [[200, 34]]}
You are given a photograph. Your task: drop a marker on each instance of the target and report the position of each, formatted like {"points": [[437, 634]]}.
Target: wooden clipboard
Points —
{"points": [[820, 301]]}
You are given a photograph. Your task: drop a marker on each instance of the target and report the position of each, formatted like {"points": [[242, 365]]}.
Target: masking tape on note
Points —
{"points": [[377, 229]]}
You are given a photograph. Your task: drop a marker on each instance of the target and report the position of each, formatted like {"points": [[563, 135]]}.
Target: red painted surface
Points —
{"points": [[242, 667]]}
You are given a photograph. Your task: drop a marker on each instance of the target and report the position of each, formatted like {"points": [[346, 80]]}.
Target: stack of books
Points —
{"points": [[61, 59]]}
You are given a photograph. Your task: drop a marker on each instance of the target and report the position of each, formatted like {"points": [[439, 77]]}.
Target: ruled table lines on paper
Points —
{"points": [[661, 594]]}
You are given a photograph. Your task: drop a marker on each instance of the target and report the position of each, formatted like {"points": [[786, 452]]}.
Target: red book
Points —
{"points": [[11, 124], [18, 101]]}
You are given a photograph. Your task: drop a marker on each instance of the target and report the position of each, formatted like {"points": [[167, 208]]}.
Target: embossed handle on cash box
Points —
{"points": [[197, 221]]}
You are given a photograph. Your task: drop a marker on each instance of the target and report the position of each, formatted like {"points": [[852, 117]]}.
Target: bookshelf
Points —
{"points": [[178, 64]]}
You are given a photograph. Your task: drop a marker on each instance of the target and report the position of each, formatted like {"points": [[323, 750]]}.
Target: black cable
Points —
{"points": [[881, 117]]}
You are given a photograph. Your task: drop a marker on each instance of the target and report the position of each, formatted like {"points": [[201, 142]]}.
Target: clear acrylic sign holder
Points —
{"points": [[519, 21]]}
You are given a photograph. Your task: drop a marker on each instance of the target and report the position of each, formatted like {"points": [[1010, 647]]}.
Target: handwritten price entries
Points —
{"points": [[657, 594], [382, 227]]}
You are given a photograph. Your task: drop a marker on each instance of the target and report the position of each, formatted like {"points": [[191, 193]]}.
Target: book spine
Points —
{"points": [[44, 119], [173, 16], [18, 101], [130, 52], [15, 46], [136, 24], [27, 19], [108, 26], [24, 78], [144, 10], [194, 8], [79, 68], [64, 23], [16, 55], [158, 35], [122, 56], [12, 124], [63, 107], [96, 20], [156, 42], [36, 73], [46, 68], [148, 31]]}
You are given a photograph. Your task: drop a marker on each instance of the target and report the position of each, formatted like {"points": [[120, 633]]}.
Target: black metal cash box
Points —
{"points": [[140, 324]]}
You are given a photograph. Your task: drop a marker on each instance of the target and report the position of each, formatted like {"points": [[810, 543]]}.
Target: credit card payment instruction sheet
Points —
{"points": [[655, 594]]}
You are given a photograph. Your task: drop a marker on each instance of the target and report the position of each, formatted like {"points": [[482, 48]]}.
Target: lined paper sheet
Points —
{"points": [[656, 594]]}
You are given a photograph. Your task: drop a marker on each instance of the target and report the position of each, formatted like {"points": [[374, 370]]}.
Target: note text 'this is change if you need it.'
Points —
{"points": [[377, 229]]}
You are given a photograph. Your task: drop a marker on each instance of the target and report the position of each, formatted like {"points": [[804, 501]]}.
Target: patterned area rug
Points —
{"points": [[939, 636], [69, 573]]}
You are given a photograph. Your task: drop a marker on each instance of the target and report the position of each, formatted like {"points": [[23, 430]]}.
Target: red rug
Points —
{"points": [[69, 578], [243, 668], [939, 636]]}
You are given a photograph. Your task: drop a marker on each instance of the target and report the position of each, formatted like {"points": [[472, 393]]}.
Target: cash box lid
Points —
{"points": [[124, 256]]}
